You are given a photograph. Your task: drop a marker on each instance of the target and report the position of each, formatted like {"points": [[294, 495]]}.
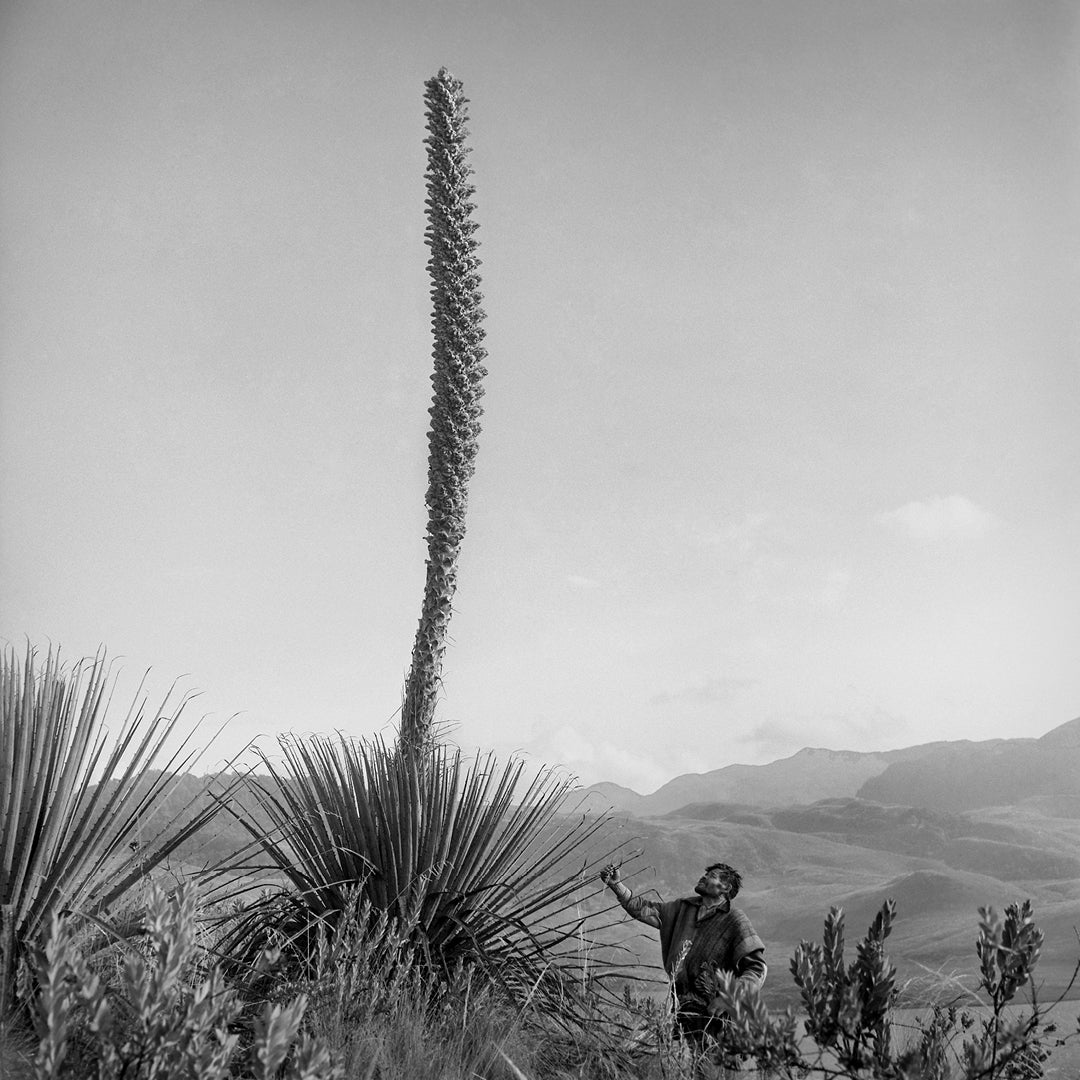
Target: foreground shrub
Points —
{"points": [[848, 1007], [72, 799], [383, 1011], [164, 1018], [848, 1011]]}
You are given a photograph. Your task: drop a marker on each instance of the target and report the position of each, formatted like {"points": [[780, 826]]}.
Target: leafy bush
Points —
{"points": [[165, 1019], [848, 1011], [848, 1007], [1008, 952]]}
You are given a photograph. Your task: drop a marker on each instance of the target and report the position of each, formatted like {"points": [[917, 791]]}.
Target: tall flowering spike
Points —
{"points": [[455, 410]]}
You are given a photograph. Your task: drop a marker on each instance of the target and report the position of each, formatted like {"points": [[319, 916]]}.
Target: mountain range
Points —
{"points": [[951, 776]]}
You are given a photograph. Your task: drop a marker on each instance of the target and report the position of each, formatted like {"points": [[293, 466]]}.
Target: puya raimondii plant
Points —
{"points": [[163, 1018], [480, 863], [455, 410], [848, 1010]]}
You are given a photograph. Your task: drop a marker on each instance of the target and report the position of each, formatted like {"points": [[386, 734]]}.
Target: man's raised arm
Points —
{"points": [[646, 911]]}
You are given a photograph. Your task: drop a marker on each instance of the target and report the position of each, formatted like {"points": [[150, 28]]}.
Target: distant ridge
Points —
{"points": [[948, 776], [969, 776], [605, 794]]}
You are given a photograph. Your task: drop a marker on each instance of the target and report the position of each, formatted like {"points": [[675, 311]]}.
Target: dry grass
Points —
{"points": [[16, 1053]]}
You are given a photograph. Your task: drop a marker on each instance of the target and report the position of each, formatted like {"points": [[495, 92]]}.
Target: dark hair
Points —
{"points": [[733, 877]]}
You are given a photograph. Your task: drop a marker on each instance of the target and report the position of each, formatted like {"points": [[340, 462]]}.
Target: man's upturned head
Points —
{"points": [[719, 880]]}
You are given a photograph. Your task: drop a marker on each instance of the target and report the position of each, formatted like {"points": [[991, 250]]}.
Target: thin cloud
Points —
{"points": [[713, 692], [954, 517], [595, 759], [781, 736], [835, 588], [737, 538], [578, 581]]}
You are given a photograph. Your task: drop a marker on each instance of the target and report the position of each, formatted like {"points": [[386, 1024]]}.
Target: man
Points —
{"points": [[700, 936]]}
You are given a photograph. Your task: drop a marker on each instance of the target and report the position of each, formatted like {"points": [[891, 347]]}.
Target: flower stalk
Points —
{"points": [[455, 410]]}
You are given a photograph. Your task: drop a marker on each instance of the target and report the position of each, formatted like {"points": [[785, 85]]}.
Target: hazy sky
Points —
{"points": [[781, 438]]}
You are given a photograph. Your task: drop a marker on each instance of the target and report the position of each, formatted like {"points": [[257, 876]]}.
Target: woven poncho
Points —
{"points": [[688, 947]]}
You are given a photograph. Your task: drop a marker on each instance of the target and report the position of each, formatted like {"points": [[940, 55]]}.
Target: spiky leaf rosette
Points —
{"points": [[481, 865], [72, 798], [455, 410]]}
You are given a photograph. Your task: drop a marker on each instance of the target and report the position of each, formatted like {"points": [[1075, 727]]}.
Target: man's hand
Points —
{"points": [[706, 983], [610, 875]]}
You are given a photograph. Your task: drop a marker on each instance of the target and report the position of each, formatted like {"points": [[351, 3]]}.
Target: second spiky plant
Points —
{"points": [[74, 802], [455, 410]]}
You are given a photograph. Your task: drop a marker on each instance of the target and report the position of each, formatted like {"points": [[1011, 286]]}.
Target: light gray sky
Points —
{"points": [[781, 440]]}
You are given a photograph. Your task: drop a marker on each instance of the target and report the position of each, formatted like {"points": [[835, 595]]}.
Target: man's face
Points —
{"points": [[712, 885]]}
